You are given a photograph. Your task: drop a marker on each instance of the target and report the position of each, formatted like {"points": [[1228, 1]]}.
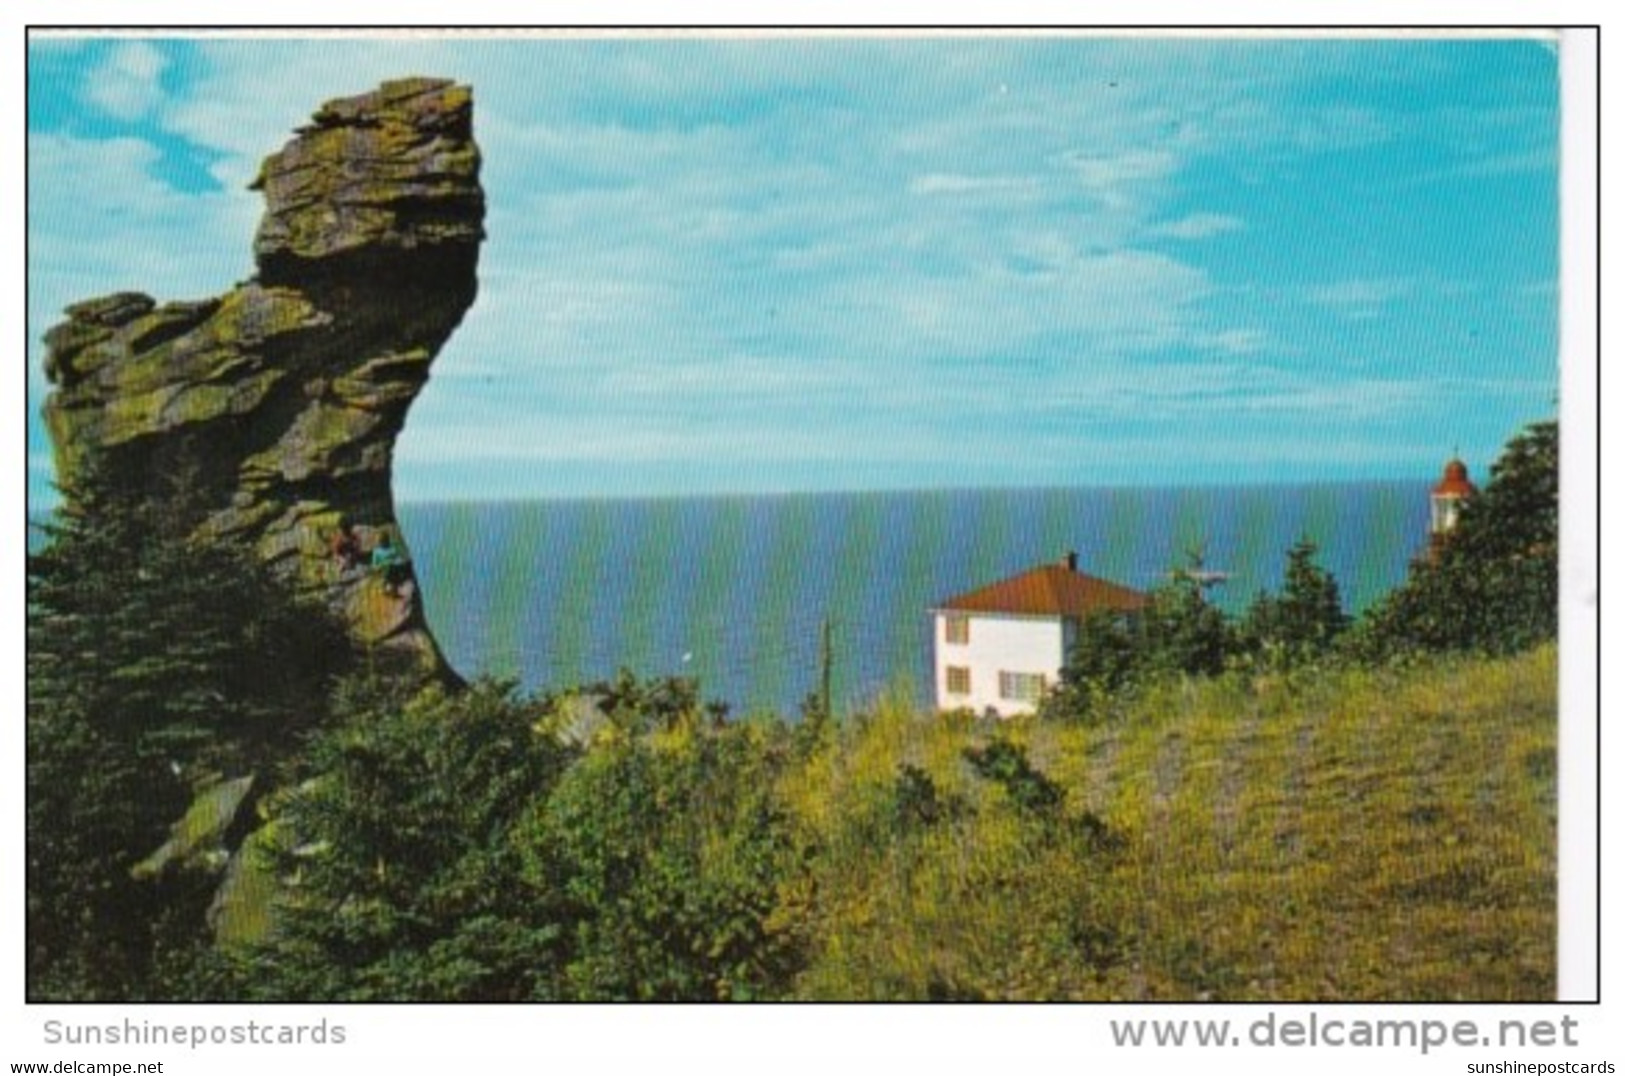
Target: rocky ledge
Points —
{"points": [[280, 401]]}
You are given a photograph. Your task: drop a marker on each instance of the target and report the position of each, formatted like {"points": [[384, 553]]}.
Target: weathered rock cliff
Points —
{"points": [[280, 401]]}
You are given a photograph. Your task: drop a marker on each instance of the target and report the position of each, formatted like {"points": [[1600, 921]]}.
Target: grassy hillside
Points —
{"points": [[1338, 835], [1341, 834]]}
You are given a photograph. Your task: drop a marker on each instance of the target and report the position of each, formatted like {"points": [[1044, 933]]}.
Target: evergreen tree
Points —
{"points": [[1306, 618], [1181, 631], [1105, 661], [666, 855], [400, 877], [1178, 632], [154, 660], [450, 847]]}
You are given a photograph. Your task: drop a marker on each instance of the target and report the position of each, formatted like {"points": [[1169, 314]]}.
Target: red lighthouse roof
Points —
{"points": [[1455, 482]]}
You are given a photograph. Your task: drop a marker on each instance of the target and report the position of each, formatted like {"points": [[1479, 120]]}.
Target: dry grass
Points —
{"points": [[1341, 835]]}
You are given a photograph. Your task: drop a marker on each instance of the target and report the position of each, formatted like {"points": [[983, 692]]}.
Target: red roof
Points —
{"points": [[1049, 590], [1455, 481]]}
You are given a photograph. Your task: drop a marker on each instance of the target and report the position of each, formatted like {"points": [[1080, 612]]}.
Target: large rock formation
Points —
{"points": [[280, 401]]}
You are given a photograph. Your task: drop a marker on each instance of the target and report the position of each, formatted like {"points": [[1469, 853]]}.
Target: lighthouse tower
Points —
{"points": [[1446, 501]]}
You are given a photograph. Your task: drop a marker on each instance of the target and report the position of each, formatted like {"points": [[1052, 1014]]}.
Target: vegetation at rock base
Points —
{"points": [[400, 877], [1373, 834], [157, 663], [1302, 818]]}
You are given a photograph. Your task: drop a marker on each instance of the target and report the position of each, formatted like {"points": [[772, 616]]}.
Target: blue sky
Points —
{"points": [[819, 263]]}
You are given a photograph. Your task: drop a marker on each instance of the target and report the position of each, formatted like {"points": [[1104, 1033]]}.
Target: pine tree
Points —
{"points": [[1306, 618], [401, 878], [1105, 661], [154, 660], [1181, 631], [1178, 632]]}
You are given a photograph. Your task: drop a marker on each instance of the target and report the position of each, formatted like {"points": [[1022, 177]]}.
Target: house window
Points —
{"points": [[1021, 687], [958, 629], [958, 680]]}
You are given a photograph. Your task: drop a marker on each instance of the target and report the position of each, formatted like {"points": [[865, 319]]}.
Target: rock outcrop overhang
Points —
{"points": [[281, 400]]}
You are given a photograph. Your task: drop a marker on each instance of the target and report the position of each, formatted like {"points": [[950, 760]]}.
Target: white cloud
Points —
{"points": [[1334, 128], [604, 237], [1362, 298], [777, 379], [1122, 179], [127, 86], [578, 437], [900, 418], [1196, 226], [99, 218], [1109, 303], [1232, 341], [1542, 159], [1232, 393], [1131, 166], [949, 183]]}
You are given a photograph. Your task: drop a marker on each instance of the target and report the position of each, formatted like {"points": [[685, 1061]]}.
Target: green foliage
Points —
{"points": [[99, 799], [138, 620], [1105, 663], [155, 660], [665, 855], [816, 727], [451, 847], [1305, 620], [928, 879], [1491, 585], [402, 881], [638, 705], [1005, 763], [915, 802], [1181, 631]]}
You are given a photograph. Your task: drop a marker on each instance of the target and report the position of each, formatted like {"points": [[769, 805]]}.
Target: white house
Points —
{"points": [[999, 648]]}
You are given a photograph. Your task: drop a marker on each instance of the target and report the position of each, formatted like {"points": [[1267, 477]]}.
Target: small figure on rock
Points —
{"points": [[391, 563], [345, 546]]}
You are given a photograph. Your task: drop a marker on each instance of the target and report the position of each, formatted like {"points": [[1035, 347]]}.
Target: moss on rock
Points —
{"points": [[282, 398]]}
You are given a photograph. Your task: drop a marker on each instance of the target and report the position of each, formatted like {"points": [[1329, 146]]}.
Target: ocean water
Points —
{"points": [[735, 590]]}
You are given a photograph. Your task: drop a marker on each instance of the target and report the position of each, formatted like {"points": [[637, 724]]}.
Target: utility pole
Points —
{"points": [[827, 662]]}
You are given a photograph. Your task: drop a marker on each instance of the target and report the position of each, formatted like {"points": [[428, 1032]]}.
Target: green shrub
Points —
{"points": [[1006, 763], [400, 877], [1305, 620], [665, 856]]}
